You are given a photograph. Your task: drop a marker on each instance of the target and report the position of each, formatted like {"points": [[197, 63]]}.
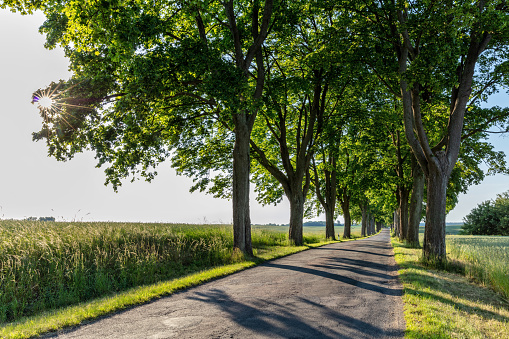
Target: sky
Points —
{"points": [[32, 184]]}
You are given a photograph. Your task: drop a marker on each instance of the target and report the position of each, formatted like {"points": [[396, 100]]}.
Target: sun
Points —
{"points": [[45, 102]]}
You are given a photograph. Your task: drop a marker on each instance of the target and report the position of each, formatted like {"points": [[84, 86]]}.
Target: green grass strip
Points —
{"points": [[75, 315], [440, 304]]}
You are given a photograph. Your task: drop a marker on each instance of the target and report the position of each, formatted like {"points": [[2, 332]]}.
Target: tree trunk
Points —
{"points": [[240, 189], [296, 218], [364, 222], [403, 212], [396, 222], [329, 223], [378, 226], [434, 232], [415, 213], [345, 206]]}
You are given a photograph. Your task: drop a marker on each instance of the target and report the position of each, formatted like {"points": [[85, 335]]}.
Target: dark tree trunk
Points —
{"points": [[329, 223], [364, 222], [240, 190], [330, 182], [396, 222], [372, 225], [296, 218], [403, 212], [378, 226], [434, 232], [345, 206], [415, 212]]}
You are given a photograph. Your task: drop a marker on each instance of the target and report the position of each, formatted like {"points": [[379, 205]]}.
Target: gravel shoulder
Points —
{"points": [[342, 290]]}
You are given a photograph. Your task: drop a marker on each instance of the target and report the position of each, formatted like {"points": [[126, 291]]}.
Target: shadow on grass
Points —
{"points": [[455, 287]]}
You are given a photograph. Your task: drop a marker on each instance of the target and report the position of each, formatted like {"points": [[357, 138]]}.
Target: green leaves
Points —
{"points": [[489, 217]]}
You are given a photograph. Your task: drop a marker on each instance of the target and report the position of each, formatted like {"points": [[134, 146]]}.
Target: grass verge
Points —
{"points": [[74, 315], [440, 304]]}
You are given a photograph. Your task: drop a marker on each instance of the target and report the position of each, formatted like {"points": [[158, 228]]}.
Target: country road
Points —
{"points": [[343, 290]]}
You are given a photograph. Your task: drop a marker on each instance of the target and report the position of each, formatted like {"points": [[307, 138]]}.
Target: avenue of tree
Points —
{"points": [[368, 109]]}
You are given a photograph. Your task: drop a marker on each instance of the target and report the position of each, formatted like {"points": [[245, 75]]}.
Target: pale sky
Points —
{"points": [[32, 184]]}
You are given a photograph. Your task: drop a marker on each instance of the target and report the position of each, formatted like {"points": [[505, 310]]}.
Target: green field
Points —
{"points": [[485, 258], [312, 230], [450, 229]]}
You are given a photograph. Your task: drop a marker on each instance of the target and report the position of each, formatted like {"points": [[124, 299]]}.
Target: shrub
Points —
{"points": [[489, 217]]}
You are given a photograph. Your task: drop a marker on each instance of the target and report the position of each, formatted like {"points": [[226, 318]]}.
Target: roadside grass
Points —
{"points": [[485, 259], [51, 242], [446, 304]]}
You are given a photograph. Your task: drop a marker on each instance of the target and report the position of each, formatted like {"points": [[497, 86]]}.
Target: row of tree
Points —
{"points": [[372, 106]]}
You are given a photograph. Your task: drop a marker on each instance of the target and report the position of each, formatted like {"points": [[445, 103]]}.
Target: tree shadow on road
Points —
{"points": [[358, 250], [290, 320], [341, 278]]}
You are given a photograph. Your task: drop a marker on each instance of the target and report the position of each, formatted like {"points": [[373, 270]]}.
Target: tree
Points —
{"points": [[284, 144], [144, 72], [489, 217], [303, 89], [432, 53]]}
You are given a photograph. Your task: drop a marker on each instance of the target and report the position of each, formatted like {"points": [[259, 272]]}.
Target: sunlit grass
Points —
{"points": [[440, 304], [485, 259], [45, 265]]}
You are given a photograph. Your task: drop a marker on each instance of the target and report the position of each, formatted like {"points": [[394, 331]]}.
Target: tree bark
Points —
{"points": [[240, 191], [434, 231], [371, 225], [345, 207], [415, 211], [329, 223], [403, 212], [296, 218], [364, 222], [396, 222]]}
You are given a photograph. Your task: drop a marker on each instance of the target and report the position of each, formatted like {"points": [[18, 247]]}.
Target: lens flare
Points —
{"points": [[45, 102]]}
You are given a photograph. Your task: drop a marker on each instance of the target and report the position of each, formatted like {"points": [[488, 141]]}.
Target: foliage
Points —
{"points": [[489, 217]]}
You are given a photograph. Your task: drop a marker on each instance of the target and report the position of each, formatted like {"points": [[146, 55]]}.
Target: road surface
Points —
{"points": [[342, 290]]}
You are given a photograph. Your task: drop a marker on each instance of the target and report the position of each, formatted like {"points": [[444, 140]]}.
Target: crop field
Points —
{"points": [[312, 231], [450, 229], [486, 259], [47, 265]]}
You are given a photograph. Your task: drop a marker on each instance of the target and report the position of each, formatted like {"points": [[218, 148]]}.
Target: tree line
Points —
{"points": [[369, 109]]}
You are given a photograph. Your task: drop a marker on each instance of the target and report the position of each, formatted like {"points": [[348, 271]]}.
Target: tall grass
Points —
{"points": [[486, 259], [46, 265]]}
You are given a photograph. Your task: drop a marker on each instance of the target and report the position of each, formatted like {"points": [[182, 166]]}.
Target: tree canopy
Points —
{"points": [[490, 217]]}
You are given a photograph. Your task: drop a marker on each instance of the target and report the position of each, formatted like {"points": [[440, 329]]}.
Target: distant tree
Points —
{"points": [[489, 217]]}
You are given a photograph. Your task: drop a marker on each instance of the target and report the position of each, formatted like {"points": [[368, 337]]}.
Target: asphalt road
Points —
{"points": [[343, 290]]}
